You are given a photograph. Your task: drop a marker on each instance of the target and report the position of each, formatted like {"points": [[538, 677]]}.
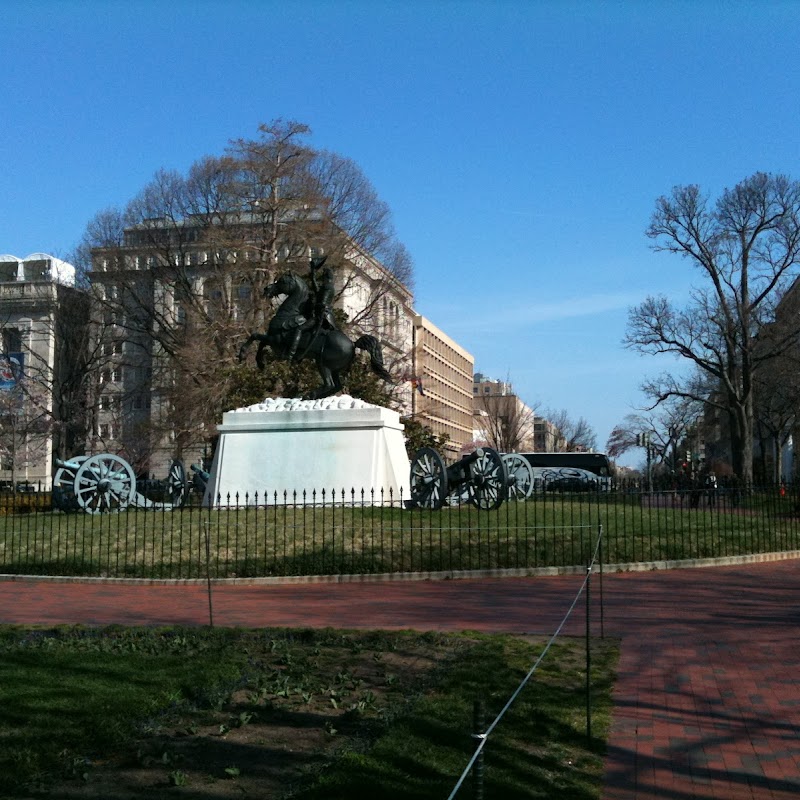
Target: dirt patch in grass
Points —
{"points": [[122, 713], [299, 702]]}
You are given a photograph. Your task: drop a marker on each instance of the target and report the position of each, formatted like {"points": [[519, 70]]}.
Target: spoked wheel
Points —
{"points": [[520, 476], [428, 479], [104, 482], [64, 498], [458, 495], [488, 484], [177, 487]]}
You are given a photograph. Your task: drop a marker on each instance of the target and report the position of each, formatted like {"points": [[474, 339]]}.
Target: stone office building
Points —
{"points": [[42, 375], [179, 277], [85, 394]]}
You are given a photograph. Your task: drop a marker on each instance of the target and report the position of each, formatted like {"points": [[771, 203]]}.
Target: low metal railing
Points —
{"points": [[336, 532]]}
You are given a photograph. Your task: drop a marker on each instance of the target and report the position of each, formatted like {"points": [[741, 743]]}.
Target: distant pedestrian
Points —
{"points": [[711, 489], [695, 493]]}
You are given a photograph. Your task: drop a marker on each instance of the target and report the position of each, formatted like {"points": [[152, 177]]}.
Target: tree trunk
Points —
{"points": [[741, 437], [778, 458], [746, 448]]}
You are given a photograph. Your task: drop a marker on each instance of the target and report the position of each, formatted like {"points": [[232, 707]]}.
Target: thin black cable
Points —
{"points": [[484, 736]]}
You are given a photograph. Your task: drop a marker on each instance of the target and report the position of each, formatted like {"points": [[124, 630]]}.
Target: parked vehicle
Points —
{"points": [[568, 472], [574, 484]]}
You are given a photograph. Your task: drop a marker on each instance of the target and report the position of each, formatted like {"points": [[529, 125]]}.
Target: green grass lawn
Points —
{"points": [[545, 531], [119, 713]]}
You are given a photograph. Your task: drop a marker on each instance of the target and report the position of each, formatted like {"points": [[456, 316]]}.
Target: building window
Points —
{"points": [[109, 402], [112, 348], [8, 271], [12, 340]]}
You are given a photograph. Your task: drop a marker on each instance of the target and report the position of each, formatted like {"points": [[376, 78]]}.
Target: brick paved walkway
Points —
{"points": [[707, 702]]}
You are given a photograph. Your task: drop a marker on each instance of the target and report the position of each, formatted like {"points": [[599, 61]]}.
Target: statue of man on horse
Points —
{"points": [[304, 327], [318, 313]]}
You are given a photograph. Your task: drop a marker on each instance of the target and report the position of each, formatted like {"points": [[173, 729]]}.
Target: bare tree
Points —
{"points": [[506, 422], [576, 435], [665, 428], [180, 272], [776, 412], [105, 229], [746, 247]]}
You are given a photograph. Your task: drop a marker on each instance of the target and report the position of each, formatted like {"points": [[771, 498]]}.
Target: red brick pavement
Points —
{"points": [[707, 701]]}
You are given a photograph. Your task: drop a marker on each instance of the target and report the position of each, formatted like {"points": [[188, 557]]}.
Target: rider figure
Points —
{"points": [[322, 305], [324, 292]]}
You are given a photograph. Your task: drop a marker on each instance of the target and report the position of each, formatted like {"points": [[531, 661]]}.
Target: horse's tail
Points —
{"points": [[371, 345]]}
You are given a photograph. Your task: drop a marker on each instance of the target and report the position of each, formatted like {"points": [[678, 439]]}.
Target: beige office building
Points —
{"points": [[442, 372], [501, 418]]}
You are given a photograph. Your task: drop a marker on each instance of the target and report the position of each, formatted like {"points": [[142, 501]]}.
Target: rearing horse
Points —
{"points": [[330, 349]]}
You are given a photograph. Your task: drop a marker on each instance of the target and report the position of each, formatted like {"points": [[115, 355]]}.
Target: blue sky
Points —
{"points": [[520, 145]]}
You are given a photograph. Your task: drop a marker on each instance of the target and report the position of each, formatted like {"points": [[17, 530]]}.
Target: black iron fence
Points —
{"points": [[359, 532]]}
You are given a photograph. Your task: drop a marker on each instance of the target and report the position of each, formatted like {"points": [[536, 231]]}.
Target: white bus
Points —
{"points": [[570, 472]]}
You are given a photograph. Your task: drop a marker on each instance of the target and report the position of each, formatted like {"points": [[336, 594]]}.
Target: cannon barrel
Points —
{"points": [[67, 464], [457, 471], [200, 479]]}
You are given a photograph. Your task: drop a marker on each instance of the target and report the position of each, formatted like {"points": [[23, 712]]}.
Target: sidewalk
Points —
{"points": [[707, 702]]}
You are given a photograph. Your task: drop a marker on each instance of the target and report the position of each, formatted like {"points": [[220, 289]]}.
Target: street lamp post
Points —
{"points": [[643, 440]]}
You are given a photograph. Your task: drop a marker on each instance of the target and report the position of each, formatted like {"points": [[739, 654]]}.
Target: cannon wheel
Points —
{"points": [[178, 487], [458, 495], [488, 484], [64, 498], [520, 476], [104, 482], [428, 479]]}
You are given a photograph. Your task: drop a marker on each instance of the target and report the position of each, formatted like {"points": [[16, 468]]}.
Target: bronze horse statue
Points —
{"points": [[331, 350]]}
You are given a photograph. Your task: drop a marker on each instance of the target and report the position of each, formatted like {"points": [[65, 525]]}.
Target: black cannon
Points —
{"points": [[106, 482], [482, 476]]}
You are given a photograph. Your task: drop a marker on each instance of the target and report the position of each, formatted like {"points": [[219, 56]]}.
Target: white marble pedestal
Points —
{"points": [[293, 446]]}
